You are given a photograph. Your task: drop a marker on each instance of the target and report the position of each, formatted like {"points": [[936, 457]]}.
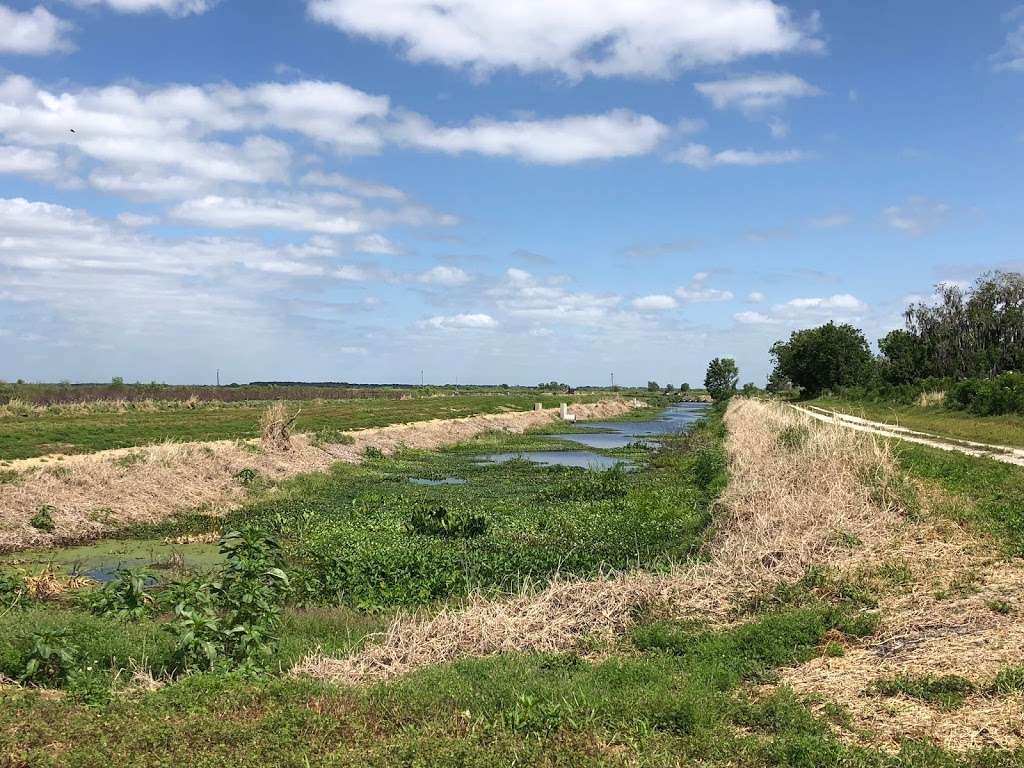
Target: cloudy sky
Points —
{"points": [[493, 192]]}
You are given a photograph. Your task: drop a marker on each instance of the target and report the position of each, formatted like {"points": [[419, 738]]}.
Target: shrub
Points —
{"points": [[13, 591], [125, 598], [233, 619], [989, 397], [439, 521], [371, 452], [49, 660], [42, 520]]}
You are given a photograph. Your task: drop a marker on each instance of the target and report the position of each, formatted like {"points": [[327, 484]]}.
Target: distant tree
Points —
{"points": [[749, 389], [684, 387], [903, 359], [721, 378], [823, 358], [117, 381], [977, 331], [669, 388], [652, 386], [777, 382]]}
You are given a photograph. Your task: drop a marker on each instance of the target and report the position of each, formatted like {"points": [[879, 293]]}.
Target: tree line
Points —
{"points": [[965, 334]]}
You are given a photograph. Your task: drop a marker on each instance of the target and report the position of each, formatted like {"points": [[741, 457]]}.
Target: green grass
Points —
{"points": [[677, 697], [40, 434], [996, 430], [984, 494]]}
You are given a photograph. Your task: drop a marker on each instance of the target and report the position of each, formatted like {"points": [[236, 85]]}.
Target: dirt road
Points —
{"points": [[1003, 453]]}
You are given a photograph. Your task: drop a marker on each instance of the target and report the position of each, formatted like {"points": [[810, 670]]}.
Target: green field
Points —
{"points": [[996, 430], [43, 433]]}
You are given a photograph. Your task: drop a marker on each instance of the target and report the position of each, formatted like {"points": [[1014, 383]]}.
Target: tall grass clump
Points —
{"points": [[276, 426]]}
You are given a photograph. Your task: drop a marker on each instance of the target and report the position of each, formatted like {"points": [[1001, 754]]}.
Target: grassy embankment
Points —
{"points": [[669, 692], [42, 433], [938, 420]]}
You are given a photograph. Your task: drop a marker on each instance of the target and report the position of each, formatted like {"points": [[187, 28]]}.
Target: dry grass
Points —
{"points": [[276, 427], [96, 493], [928, 399], [776, 519]]}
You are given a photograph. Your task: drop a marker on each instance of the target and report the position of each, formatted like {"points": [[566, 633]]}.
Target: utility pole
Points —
{"points": [[613, 381], [218, 377], [421, 377]]}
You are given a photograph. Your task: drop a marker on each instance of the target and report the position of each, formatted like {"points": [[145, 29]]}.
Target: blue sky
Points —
{"points": [[360, 190]]}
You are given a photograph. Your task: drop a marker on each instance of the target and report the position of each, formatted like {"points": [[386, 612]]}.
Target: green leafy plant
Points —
{"points": [[49, 660], [125, 598], [593, 485], [441, 521], [371, 452], [946, 691], [233, 620], [13, 591], [42, 520], [247, 476]]}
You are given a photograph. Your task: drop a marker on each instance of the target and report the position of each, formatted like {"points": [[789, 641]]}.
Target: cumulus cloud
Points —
{"points": [[756, 93], [377, 245], [462, 322], [32, 32], [795, 312], [523, 296], [576, 37], [24, 161], [619, 133], [917, 216], [654, 303], [448, 277], [698, 291], [241, 212], [701, 156]]}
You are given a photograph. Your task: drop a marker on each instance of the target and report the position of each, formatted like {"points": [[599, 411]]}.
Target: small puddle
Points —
{"points": [[442, 481], [584, 459]]}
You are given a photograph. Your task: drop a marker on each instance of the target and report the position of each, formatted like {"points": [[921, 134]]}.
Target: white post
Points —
{"points": [[565, 412]]}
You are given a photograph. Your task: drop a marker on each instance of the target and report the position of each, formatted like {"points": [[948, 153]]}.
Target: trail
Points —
{"points": [[1003, 453]]}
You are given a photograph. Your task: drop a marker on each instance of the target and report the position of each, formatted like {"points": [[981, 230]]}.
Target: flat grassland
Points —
{"points": [[996, 430], [69, 431], [781, 593]]}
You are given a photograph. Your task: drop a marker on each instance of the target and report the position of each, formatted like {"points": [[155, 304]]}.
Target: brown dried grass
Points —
{"points": [[776, 518], [96, 493], [276, 427]]}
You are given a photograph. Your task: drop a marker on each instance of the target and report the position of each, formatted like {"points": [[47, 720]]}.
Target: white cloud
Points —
{"points": [[754, 318], [576, 37], [32, 32], [524, 296], [171, 7], [235, 212], [654, 302], [755, 297], [130, 219], [24, 161], [619, 133], [699, 292], [355, 186], [463, 322], [801, 311], [756, 92], [448, 277], [917, 216], [701, 156], [1010, 58], [377, 245]]}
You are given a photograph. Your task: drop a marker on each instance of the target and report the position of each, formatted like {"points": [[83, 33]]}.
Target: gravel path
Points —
{"points": [[1003, 453]]}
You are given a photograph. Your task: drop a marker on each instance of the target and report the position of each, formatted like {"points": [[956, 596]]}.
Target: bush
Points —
{"points": [[439, 521], [125, 598], [42, 520], [989, 397]]}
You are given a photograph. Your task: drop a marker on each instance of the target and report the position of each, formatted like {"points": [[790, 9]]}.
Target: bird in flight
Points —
{"points": [[74, 131]]}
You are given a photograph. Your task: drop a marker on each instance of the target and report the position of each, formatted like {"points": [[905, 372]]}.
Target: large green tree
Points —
{"points": [[823, 358], [903, 358], [721, 378]]}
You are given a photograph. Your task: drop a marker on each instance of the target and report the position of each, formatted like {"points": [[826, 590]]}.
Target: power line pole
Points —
{"points": [[613, 381], [421, 377], [218, 377]]}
